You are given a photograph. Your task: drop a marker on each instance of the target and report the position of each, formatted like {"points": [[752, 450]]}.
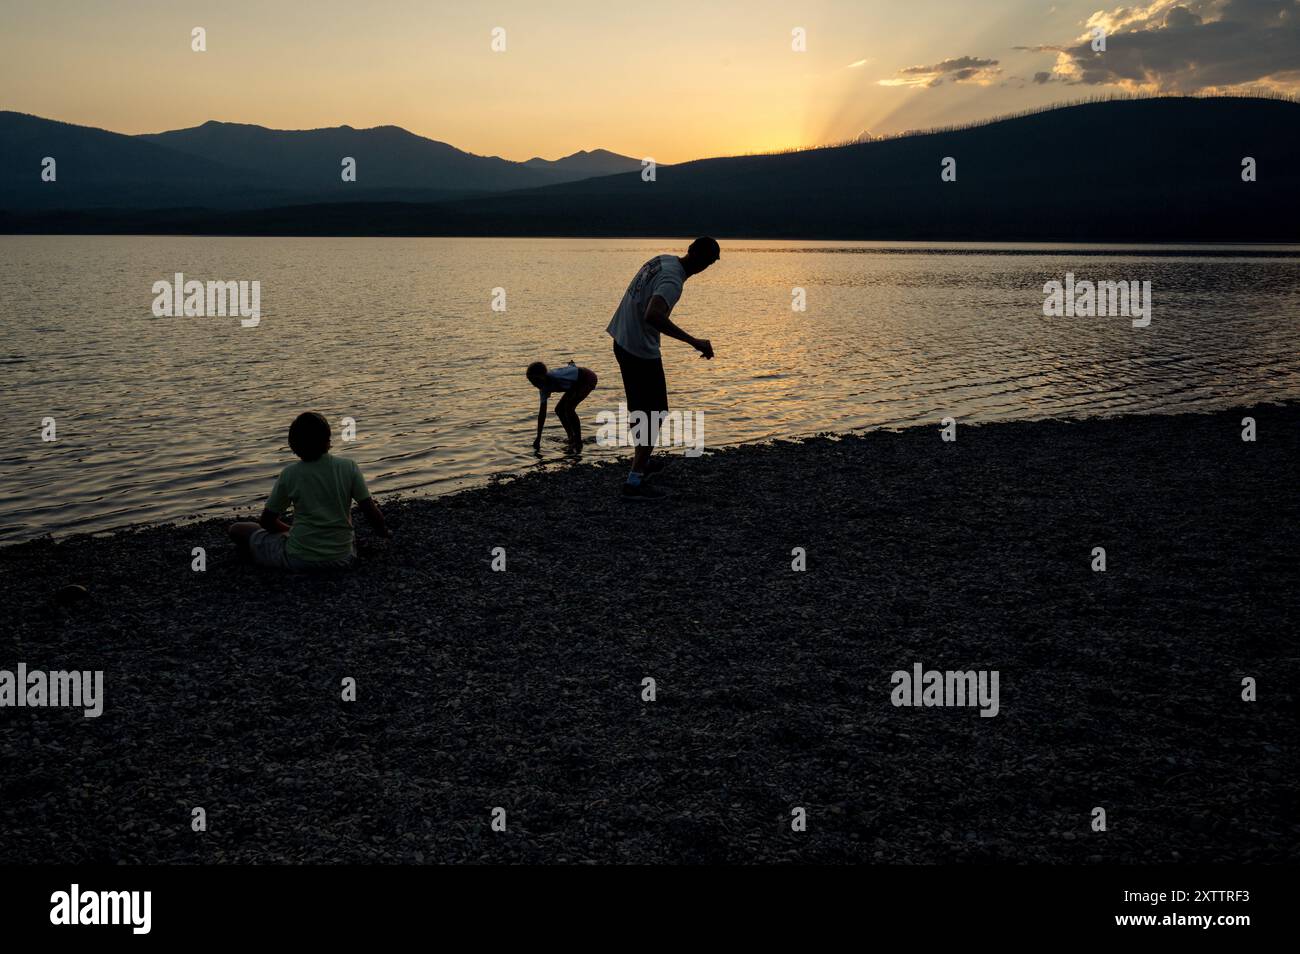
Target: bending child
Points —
{"points": [[576, 383]]}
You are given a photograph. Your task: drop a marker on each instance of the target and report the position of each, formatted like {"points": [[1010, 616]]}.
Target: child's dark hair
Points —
{"points": [[309, 435], [535, 371]]}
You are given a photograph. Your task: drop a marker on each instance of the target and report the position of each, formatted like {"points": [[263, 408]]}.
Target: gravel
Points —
{"points": [[523, 689]]}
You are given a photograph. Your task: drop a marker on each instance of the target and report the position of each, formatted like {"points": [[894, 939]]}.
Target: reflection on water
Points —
{"points": [[165, 418]]}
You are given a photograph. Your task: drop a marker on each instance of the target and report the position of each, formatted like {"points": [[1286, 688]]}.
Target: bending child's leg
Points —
{"points": [[569, 418], [573, 426], [585, 384]]}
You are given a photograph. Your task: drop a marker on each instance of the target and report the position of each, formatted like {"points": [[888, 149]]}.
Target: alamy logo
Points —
{"points": [[634, 428], [103, 907], [1087, 299], [949, 688], [196, 299], [58, 689]]}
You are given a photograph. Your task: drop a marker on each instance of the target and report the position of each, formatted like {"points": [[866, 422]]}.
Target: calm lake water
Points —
{"points": [[166, 418]]}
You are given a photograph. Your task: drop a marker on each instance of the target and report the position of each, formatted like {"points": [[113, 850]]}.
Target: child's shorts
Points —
{"points": [[268, 549]]}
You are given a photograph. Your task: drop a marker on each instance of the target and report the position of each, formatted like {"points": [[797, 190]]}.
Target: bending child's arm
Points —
{"points": [[541, 421]]}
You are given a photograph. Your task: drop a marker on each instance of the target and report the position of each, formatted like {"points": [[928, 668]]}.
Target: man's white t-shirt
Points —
{"points": [[662, 276]]}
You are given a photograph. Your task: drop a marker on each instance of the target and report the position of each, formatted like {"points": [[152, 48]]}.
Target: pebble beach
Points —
{"points": [[525, 688]]}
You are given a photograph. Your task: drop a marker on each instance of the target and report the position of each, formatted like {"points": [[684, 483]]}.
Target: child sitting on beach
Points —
{"points": [[576, 383], [320, 488]]}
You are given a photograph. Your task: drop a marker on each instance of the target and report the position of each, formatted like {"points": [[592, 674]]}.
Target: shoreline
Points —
{"points": [[523, 688], [561, 464], [1064, 244]]}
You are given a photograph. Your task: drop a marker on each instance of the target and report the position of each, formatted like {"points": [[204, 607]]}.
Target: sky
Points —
{"points": [[668, 80]]}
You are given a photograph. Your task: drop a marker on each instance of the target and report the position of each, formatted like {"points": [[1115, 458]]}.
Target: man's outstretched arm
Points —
{"points": [[656, 315]]}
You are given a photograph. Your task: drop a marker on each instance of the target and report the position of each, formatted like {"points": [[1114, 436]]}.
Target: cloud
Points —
{"points": [[854, 65], [1186, 46], [960, 69]]}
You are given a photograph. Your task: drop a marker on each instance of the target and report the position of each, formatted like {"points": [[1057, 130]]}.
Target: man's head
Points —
{"points": [[536, 374], [309, 435], [702, 253]]}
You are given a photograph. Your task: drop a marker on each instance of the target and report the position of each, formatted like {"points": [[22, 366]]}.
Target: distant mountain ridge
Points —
{"points": [[387, 157], [1160, 169], [96, 168], [1157, 170], [239, 165], [586, 164]]}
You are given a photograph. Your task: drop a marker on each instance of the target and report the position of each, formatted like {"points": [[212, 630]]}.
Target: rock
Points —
{"points": [[70, 595]]}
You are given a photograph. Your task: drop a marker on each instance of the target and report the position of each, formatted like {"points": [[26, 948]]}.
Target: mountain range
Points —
{"points": [[236, 165], [1188, 169]]}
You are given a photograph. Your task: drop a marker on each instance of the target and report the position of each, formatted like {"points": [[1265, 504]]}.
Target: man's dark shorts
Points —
{"points": [[643, 381]]}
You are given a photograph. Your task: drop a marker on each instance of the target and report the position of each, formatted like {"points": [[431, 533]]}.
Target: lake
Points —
{"points": [[164, 418]]}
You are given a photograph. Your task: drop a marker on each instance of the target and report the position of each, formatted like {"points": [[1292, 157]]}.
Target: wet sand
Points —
{"points": [[522, 689]]}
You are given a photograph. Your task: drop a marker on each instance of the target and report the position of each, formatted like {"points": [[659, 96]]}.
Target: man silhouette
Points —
{"points": [[641, 317]]}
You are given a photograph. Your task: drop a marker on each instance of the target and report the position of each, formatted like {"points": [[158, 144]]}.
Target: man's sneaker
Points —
{"points": [[643, 491]]}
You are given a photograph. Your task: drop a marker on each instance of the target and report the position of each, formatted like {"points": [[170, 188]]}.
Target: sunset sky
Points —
{"points": [[671, 80]]}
